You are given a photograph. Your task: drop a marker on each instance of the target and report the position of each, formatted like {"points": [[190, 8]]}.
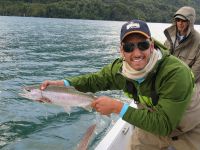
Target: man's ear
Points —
{"points": [[121, 51], [152, 46]]}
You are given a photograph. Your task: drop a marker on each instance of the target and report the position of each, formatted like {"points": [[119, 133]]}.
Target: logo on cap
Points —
{"points": [[135, 26], [132, 25]]}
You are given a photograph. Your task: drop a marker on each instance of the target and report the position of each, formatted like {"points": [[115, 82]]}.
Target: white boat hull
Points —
{"points": [[118, 137]]}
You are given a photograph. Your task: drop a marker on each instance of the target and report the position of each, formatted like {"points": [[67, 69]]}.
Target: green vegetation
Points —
{"points": [[148, 10]]}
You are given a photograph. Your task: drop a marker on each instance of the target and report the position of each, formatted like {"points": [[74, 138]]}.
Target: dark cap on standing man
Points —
{"points": [[135, 26]]}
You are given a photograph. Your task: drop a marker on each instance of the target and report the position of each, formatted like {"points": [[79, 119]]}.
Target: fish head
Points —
{"points": [[31, 93]]}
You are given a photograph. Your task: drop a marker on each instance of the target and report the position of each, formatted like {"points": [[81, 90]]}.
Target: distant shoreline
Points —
{"points": [[109, 10]]}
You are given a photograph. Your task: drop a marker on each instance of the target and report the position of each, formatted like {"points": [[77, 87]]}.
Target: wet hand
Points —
{"points": [[106, 105], [46, 83]]}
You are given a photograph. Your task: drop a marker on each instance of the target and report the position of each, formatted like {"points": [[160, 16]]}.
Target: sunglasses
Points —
{"points": [[129, 47]]}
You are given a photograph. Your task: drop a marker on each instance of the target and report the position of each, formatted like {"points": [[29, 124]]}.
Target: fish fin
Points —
{"points": [[92, 95], [83, 145], [88, 108], [67, 109], [44, 100]]}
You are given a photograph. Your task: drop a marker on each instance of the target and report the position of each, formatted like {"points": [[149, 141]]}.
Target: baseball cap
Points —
{"points": [[180, 17], [135, 26]]}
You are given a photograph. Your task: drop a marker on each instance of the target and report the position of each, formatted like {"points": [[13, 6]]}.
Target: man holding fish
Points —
{"points": [[158, 82]]}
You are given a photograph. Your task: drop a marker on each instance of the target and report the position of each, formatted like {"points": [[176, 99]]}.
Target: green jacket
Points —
{"points": [[174, 86]]}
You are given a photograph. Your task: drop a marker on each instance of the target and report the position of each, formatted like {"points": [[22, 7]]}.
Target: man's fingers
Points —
{"points": [[44, 85]]}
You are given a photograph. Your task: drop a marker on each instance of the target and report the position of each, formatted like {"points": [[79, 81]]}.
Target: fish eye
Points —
{"points": [[27, 89]]}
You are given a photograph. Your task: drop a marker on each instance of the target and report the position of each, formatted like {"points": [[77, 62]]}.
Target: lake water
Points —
{"points": [[36, 49]]}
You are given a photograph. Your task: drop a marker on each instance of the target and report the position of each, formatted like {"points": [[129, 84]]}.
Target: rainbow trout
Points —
{"points": [[66, 97]]}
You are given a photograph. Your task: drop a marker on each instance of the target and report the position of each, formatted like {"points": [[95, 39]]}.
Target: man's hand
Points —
{"points": [[46, 83], [106, 105]]}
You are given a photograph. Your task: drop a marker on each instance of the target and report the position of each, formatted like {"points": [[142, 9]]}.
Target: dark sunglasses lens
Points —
{"points": [[128, 47], [143, 45]]}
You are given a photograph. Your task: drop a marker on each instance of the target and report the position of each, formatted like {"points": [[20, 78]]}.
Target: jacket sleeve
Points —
{"points": [[106, 79], [196, 66], [167, 44]]}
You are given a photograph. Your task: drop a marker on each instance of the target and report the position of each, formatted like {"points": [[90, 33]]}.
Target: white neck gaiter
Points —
{"points": [[133, 74]]}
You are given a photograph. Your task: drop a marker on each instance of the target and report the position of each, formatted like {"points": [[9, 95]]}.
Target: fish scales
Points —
{"points": [[66, 97]]}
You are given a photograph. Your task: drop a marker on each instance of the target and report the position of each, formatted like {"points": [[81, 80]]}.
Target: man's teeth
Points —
{"points": [[139, 59]]}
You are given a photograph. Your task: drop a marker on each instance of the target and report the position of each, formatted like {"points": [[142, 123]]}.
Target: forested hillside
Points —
{"points": [[149, 10]]}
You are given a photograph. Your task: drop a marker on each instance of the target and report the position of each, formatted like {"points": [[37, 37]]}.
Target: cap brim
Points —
{"points": [[180, 17], [132, 32]]}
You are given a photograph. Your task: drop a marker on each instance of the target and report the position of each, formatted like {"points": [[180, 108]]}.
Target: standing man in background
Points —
{"points": [[183, 40]]}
